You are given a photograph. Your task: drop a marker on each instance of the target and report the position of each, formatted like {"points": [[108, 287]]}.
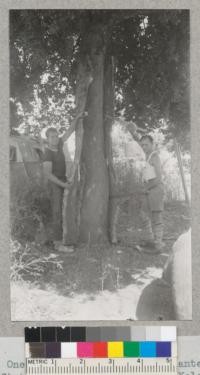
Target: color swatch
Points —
{"points": [[100, 334], [111, 349], [104, 342]]}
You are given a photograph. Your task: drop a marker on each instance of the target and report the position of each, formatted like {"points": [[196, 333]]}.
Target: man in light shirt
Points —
{"points": [[152, 205]]}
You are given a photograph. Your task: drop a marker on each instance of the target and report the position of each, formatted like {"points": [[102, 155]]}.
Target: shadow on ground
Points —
{"points": [[103, 281], [104, 267]]}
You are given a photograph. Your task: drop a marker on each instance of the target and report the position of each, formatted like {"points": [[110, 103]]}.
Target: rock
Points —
{"points": [[170, 298]]}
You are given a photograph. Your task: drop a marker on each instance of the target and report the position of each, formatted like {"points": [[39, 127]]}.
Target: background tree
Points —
{"points": [[150, 50]]}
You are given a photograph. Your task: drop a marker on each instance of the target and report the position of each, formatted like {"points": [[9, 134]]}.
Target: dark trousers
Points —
{"points": [[56, 199]]}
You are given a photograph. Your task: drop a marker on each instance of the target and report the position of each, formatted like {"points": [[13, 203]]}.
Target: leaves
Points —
{"points": [[151, 51]]}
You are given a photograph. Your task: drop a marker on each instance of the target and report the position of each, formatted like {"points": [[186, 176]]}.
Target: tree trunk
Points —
{"points": [[73, 198], [108, 121], [94, 209]]}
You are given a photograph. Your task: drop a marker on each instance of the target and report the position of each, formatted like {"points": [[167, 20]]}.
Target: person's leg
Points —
{"points": [[57, 203], [147, 233], [158, 227], [156, 206], [64, 223]]}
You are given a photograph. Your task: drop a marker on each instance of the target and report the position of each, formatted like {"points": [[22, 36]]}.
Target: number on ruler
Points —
{"points": [[110, 366]]}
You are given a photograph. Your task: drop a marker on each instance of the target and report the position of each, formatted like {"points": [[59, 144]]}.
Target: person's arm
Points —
{"points": [[42, 142], [72, 127], [132, 128], [155, 162], [47, 165]]}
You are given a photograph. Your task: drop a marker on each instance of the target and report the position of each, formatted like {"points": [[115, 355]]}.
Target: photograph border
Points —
{"points": [[8, 328]]}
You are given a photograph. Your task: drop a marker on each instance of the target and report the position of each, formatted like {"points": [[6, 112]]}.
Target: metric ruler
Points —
{"points": [[112, 366]]}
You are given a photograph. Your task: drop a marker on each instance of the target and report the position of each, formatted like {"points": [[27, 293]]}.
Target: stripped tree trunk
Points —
{"points": [[94, 209], [72, 199], [87, 207], [113, 208]]}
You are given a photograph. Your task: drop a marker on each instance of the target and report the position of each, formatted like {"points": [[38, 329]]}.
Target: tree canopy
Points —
{"points": [[151, 55]]}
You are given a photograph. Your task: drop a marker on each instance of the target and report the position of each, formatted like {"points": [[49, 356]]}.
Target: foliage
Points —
{"points": [[154, 82], [29, 211], [28, 262], [151, 52]]}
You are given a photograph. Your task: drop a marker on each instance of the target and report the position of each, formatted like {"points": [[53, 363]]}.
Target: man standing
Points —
{"points": [[152, 204], [55, 172]]}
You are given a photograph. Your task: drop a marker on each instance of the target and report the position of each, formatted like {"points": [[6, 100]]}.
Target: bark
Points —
{"points": [[94, 209], [113, 209], [72, 199]]}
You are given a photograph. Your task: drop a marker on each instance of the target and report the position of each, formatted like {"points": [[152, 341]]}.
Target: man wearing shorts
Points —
{"points": [[152, 203]]}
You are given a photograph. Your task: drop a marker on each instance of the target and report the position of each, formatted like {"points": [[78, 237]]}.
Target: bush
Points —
{"points": [[28, 262], [28, 211]]}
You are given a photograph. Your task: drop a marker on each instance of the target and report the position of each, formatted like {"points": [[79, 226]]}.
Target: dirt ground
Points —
{"points": [[91, 270]]}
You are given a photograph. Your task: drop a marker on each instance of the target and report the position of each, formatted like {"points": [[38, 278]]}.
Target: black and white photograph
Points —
{"points": [[100, 160]]}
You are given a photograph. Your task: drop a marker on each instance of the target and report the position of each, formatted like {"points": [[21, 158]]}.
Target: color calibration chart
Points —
{"points": [[101, 350]]}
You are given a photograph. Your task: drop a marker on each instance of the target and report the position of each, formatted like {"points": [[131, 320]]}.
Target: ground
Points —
{"points": [[104, 282]]}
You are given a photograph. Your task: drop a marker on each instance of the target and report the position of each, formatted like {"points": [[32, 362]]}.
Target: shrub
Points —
{"points": [[28, 210], [29, 263]]}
